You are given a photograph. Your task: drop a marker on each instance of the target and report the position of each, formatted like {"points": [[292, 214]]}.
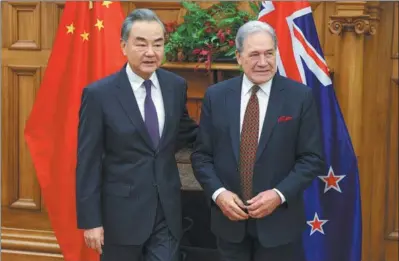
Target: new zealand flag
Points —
{"points": [[332, 202]]}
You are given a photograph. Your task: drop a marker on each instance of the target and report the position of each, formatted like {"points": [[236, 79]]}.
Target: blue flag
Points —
{"points": [[332, 202]]}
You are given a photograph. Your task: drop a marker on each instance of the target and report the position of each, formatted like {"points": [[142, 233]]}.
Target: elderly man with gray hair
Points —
{"points": [[131, 123], [258, 148]]}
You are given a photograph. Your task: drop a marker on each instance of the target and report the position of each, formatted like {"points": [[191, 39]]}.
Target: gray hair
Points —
{"points": [[141, 14], [253, 27]]}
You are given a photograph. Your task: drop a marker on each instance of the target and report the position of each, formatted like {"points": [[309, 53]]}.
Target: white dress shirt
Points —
{"points": [[139, 92], [263, 97]]}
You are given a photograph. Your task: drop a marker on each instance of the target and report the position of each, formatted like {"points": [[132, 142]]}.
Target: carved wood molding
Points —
{"points": [[359, 17], [359, 24], [35, 241], [374, 10]]}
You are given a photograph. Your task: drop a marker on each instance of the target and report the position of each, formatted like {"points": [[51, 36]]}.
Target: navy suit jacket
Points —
{"points": [[119, 174], [288, 157]]}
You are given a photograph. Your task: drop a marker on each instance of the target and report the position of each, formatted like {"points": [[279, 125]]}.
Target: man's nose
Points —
{"points": [[262, 60], [150, 51]]}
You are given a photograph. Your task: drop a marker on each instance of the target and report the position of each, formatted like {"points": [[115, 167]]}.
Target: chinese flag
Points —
{"points": [[86, 48]]}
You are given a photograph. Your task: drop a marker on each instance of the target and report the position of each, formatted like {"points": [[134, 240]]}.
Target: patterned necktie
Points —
{"points": [[150, 115], [249, 144]]}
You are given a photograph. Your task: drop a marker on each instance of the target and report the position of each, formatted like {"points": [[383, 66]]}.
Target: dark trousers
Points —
{"points": [[161, 246], [251, 250]]}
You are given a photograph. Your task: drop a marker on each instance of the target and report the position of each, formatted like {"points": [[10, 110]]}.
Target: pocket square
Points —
{"points": [[284, 118]]}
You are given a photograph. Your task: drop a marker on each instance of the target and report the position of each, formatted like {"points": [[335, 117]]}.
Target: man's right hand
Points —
{"points": [[231, 206], [94, 238]]}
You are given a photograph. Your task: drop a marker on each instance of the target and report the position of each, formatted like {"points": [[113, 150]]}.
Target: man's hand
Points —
{"points": [[94, 238], [263, 204], [231, 206]]}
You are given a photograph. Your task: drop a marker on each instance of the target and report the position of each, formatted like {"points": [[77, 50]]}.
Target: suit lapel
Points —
{"points": [[128, 101], [233, 101], [168, 101], [273, 111]]}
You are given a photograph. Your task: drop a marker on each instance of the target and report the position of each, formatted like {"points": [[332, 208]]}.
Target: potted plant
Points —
{"points": [[206, 35]]}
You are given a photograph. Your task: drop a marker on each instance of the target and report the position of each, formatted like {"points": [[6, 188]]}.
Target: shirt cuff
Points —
{"points": [[217, 193], [281, 195]]}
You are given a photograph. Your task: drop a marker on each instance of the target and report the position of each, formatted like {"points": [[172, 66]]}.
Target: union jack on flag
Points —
{"points": [[332, 202]]}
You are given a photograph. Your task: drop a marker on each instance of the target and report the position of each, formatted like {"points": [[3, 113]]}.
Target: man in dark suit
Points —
{"points": [[131, 125], [258, 148]]}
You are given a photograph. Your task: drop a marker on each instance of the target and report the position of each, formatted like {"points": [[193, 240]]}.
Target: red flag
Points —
{"points": [[86, 48]]}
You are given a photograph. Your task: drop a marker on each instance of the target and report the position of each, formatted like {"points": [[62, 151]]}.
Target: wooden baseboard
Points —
{"points": [[32, 245], [11, 255]]}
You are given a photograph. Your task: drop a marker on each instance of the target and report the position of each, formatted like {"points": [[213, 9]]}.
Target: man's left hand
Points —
{"points": [[263, 204]]}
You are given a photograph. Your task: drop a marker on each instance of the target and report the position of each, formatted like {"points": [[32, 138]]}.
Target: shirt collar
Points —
{"points": [[136, 81], [247, 85]]}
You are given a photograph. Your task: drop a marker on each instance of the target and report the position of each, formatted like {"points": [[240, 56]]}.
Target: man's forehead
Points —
{"points": [[147, 33], [258, 37], [148, 37], [145, 25], [259, 42]]}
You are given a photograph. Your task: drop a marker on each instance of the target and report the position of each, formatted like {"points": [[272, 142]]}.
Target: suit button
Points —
{"points": [[155, 184]]}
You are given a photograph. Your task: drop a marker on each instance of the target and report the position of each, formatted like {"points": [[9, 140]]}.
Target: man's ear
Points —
{"points": [[238, 57], [123, 47]]}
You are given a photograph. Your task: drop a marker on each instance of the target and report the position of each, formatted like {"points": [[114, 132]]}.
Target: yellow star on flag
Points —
{"points": [[106, 3], [70, 28], [85, 36], [99, 24]]}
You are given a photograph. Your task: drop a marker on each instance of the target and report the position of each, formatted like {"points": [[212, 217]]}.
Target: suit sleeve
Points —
{"points": [[309, 153], [89, 156], [202, 156], [187, 128]]}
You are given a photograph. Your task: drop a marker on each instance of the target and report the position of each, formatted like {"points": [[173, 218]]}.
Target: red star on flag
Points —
{"points": [[316, 224], [332, 181]]}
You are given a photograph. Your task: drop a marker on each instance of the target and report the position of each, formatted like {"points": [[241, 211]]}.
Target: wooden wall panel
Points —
{"points": [[127, 7], [392, 203], [10, 255], [24, 25], [51, 16], [197, 82], [167, 11], [21, 197], [378, 133], [28, 33], [391, 221], [368, 98], [321, 13], [23, 188]]}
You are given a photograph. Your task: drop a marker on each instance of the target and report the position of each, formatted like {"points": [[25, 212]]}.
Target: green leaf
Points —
{"points": [[181, 28], [190, 29], [191, 33], [227, 22], [231, 52]]}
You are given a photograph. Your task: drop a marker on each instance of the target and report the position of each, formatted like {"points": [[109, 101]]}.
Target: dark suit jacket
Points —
{"points": [[289, 155], [119, 172]]}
